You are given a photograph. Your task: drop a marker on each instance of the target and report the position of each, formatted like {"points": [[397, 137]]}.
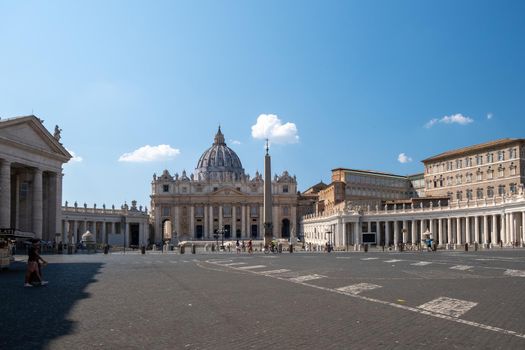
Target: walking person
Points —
{"points": [[238, 247], [33, 266], [250, 246]]}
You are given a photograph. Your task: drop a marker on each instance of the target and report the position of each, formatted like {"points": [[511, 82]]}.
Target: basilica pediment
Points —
{"points": [[29, 133], [228, 191]]}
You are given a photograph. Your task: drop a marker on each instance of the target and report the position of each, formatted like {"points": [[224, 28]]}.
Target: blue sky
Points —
{"points": [[357, 84]]}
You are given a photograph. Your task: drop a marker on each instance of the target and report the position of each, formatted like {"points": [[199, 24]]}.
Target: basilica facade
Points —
{"points": [[219, 197]]}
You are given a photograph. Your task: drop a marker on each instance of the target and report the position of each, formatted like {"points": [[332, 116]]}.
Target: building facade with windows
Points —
{"points": [[219, 197], [472, 195], [487, 170]]}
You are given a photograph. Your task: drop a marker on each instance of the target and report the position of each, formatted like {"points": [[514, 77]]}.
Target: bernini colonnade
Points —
{"points": [[487, 222]]}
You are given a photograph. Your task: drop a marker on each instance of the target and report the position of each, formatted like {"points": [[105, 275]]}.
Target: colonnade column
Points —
{"points": [[343, 230], [192, 221], [414, 231], [261, 223], [387, 233], [440, 231], [104, 234], [37, 203], [5, 194], [396, 234], [494, 233], [378, 232], [431, 227], [523, 228], [449, 231], [357, 234], [234, 221], [244, 234], [73, 235], [205, 233], [485, 230], [210, 228], [467, 230], [459, 231], [476, 230], [58, 202], [503, 228], [510, 230]]}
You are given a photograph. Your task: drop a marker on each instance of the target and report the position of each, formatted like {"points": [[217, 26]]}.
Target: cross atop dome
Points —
{"points": [[219, 138]]}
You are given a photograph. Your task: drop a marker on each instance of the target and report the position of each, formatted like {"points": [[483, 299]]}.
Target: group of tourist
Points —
{"points": [[35, 262]]}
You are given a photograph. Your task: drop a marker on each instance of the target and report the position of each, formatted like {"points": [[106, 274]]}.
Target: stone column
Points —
{"points": [[38, 213], [414, 232], [387, 233], [476, 230], [467, 230], [378, 232], [431, 228], [405, 231], [220, 216], [104, 233], [503, 231], [192, 221], [343, 230], [244, 233], [510, 234], [440, 231], [449, 231], [523, 228], [211, 221], [357, 234], [234, 221], [205, 232], [396, 234], [5, 194], [494, 233], [63, 230], [73, 235], [459, 231], [485, 230], [58, 201]]}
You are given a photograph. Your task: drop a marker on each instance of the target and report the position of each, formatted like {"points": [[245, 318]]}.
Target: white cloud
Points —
{"points": [[450, 119], [76, 158], [235, 142], [489, 116], [269, 126], [403, 158], [150, 154]]}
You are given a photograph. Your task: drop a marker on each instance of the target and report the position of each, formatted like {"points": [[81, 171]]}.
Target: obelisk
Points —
{"points": [[267, 220]]}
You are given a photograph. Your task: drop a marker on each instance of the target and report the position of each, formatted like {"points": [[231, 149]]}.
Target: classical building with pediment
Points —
{"points": [[220, 197], [31, 160]]}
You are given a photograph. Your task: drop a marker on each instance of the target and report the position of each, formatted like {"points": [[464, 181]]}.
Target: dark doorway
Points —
{"points": [[227, 232], [134, 230], [199, 232], [238, 233], [255, 230], [285, 230]]}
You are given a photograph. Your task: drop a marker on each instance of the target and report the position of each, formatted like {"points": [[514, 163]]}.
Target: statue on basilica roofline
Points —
{"points": [[57, 135]]}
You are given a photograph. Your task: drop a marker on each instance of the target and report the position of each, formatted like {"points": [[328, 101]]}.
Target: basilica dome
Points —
{"points": [[219, 162]]}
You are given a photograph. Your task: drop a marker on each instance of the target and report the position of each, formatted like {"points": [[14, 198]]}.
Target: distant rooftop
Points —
{"points": [[474, 148], [370, 172]]}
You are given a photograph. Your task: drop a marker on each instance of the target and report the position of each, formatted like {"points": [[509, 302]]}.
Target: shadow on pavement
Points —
{"points": [[30, 318]]}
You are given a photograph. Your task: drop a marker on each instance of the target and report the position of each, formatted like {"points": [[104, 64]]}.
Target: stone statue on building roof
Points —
{"points": [[56, 135]]}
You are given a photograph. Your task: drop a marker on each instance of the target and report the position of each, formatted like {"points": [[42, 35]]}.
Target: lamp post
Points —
{"points": [[216, 236], [123, 229], [221, 232]]}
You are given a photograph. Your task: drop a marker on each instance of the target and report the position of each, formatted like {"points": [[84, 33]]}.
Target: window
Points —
{"points": [[165, 188], [215, 189], [469, 177], [449, 194], [253, 211], [199, 211], [501, 190], [227, 211], [490, 157], [479, 193], [501, 171], [459, 195], [468, 161], [512, 153], [459, 164], [165, 211], [479, 160], [490, 174], [479, 175], [501, 155], [286, 210], [512, 188], [184, 190], [490, 192], [469, 194], [512, 169], [285, 188]]}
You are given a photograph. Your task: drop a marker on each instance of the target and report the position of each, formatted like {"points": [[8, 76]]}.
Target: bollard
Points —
{"points": [[466, 247], [143, 250], [476, 246], [182, 249], [193, 248], [291, 248], [106, 249], [366, 247]]}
